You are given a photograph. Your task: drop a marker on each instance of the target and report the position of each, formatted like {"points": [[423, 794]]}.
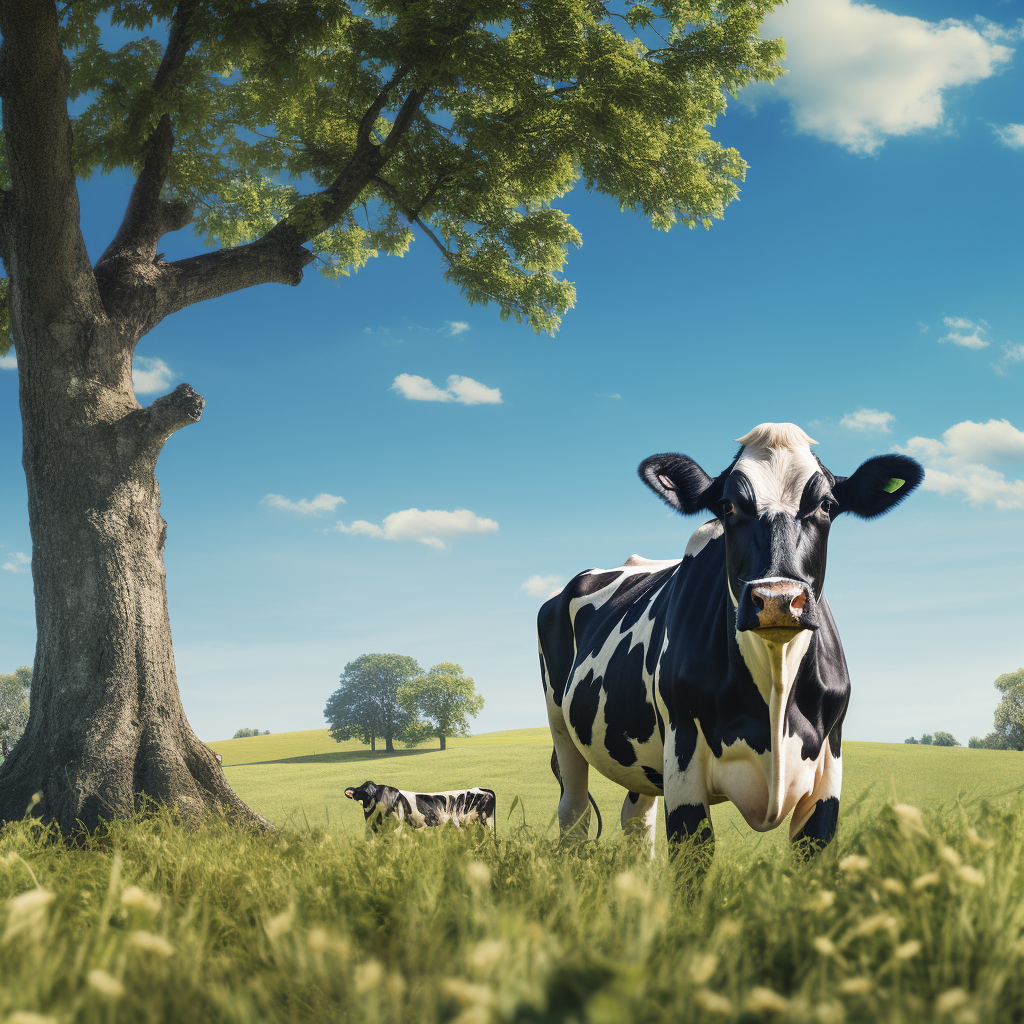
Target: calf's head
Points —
{"points": [[776, 503]]}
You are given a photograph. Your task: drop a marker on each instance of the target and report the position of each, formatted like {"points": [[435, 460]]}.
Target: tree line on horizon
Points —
{"points": [[1008, 720], [389, 697]]}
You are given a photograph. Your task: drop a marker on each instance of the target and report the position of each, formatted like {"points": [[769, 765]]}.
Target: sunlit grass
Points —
{"points": [[909, 916]]}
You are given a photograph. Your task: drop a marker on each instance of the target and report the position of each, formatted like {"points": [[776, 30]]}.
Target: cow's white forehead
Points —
{"points": [[777, 460]]}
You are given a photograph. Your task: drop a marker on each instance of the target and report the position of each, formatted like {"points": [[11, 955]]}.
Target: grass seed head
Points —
{"points": [[368, 975], [950, 1000], [713, 1002], [478, 873], [822, 900], [950, 856], [972, 876], [151, 943], [910, 820], [854, 863], [486, 955], [924, 881], [976, 840], [856, 986], [104, 983], [466, 993], [830, 1013], [908, 950], [765, 1000], [875, 923], [28, 1017], [824, 945], [135, 898], [702, 967], [280, 924], [894, 885], [629, 886]]}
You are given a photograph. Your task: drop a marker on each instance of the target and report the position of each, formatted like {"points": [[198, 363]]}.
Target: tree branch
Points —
{"points": [[147, 217]]}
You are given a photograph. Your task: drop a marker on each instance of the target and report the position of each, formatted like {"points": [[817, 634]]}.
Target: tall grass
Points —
{"points": [[907, 917]]}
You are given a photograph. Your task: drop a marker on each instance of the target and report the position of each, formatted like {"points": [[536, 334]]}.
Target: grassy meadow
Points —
{"points": [[915, 913]]}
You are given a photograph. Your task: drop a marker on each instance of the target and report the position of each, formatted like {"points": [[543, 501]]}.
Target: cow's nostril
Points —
{"points": [[757, 599], [799, 601]]}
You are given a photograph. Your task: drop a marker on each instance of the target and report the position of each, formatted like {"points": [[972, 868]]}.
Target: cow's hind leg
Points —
{"points": [[640, 817], [572, 771]]}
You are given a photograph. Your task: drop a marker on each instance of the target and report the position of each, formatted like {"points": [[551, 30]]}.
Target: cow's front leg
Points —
{"points": [[819, 828], [686, 793], [640, 817]]}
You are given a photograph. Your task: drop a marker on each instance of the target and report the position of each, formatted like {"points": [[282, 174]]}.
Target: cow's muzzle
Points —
{"points": [[776, 609]]}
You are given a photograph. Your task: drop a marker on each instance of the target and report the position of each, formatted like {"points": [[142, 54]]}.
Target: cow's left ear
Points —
{"points": [[678, 480], [350, 793], [878, 485]]}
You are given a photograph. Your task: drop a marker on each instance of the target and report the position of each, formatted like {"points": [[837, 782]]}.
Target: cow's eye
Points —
{"points": [[726, 508], [827, 506]]}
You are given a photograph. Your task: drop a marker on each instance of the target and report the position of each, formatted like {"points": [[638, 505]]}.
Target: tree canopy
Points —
{"points": [[446, 698], [366, 704], [291, 133]]}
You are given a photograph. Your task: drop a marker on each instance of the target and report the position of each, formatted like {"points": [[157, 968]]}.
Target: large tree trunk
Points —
{"points": [[106, 723], [389, 744], [442, 742]]}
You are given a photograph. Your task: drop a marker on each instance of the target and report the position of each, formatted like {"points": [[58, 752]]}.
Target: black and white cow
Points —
{"points": [[457, 806], [718, 676]]}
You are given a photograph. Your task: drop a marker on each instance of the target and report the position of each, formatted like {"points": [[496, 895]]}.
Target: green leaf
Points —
{"points": [[512, 807], [894, 485]]}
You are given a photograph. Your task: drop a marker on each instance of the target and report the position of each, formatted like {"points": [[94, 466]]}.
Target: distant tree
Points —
{"points": [[944, 739], [445, 698], [926, 739], [366, 704], [1009, 716], [910, 739], [246, 733], [14, 705]]}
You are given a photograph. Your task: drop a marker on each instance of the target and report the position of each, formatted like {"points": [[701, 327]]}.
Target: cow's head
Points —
{"points": [[776, 502], [366, 794]]}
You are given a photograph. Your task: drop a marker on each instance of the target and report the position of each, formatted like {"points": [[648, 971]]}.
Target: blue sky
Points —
{"points": [[867, 286]]}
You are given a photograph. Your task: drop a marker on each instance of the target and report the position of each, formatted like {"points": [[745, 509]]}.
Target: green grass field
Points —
{"points": [[915, 913], [298, 779]]}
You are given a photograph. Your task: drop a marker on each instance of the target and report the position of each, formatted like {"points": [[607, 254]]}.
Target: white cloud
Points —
{"points": [[958, 463], [868, 419], [149, 375], [9, 361], [427, 526], [859, 74], [607, 394], [456, 327], [1012, 353], [460, 389], [1011, 135], [304, 506], [542, 586], [18, 562], [965, 332]]}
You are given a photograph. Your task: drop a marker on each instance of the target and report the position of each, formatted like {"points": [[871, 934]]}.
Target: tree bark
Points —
{"points": [[106, 727], [389, 744], [442, 742]]}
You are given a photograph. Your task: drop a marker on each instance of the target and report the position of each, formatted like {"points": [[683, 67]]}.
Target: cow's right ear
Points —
{"points": [[350, 793], [678, 480]]}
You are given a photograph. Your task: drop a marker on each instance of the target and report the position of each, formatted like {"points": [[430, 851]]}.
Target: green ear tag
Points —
{"points": [[893, 485]]}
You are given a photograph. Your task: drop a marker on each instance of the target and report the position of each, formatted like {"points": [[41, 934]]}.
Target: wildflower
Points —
{"points": [[924, 881], [702, 967], [488, 954], [279, 924], [950, 856], [822, 900], [894, 885], [854, 862], [908, 950], [135, 899], [104, 983], [28, 1017], [824, 945], [713, 1002], [479, 874], [972, 876], [950, 1000], [152, 943], [765, 1000], [909, 819], [873, 924], [368, 975], [976, 840], [856, 986], [830, 1013]]}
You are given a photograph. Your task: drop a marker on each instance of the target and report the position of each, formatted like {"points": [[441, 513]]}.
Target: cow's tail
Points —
{"points": [[561, 789]]}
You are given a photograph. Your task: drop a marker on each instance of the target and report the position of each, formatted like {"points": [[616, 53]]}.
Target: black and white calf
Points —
{"points": [[718, 676], [421, 810]]}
